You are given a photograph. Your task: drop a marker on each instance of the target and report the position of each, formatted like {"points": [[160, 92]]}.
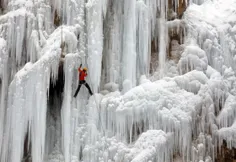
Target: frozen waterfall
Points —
{"points": [[162, 73]]}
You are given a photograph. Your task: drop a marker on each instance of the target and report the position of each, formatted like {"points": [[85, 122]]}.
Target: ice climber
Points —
{"points": [[82, 75]]}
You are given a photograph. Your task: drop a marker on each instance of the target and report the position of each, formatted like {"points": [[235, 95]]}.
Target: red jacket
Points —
{"points": [[82, 74]]}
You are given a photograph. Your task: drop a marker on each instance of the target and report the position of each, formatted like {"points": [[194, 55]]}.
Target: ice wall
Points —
{"points": [[162, 36], [186, 111]]}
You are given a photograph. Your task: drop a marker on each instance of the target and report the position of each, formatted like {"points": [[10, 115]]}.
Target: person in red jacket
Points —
{"points": [[82, 75]]}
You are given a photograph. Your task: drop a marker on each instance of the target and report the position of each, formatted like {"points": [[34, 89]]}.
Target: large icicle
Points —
{"points": [[143, 38], [162, 38], [112, 49], [94, 24], [129, 45], [3, 86]]}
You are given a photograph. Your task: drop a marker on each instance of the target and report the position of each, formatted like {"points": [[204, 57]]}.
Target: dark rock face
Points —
{"points": [[57, 20], [226, 155], [180, 9]]}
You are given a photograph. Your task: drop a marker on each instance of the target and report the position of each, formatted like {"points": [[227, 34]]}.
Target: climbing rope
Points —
{"points": [[86, 64], [98, 109], [97, 105]]}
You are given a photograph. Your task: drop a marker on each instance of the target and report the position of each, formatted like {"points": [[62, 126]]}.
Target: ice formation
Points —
{"points": [[184, 111]]}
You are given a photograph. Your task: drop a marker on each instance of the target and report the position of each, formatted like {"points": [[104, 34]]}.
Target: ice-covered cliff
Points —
{"points": [[164, 80]]}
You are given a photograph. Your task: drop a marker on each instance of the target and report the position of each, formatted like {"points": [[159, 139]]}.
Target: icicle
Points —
{"points": [[163, 33], [66, 106], [67, 115], [104, 7], [34, 46], [129, 45], [152, 7], [143, 38], [112, 50]]}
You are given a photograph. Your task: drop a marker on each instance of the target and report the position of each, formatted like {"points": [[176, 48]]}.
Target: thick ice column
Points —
{"points": [[94, 22], [112, 48], [66, 112], [22, 109], [39, 113], [143, 38], [163, 5], [124, 35], [3, 86], [16, 121], [71, 61], [129, 46]]}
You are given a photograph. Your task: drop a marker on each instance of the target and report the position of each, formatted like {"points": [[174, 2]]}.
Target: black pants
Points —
{"points": [[79, 86]]}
